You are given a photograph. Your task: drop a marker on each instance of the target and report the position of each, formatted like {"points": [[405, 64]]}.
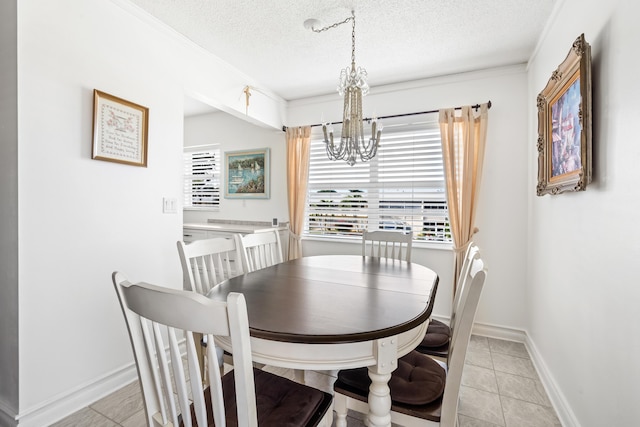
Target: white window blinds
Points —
{"points": [[202, 172], [402, 188]]}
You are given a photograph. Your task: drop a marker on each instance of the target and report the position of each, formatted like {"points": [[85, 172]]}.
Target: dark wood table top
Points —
{"points": [[334, 298]]}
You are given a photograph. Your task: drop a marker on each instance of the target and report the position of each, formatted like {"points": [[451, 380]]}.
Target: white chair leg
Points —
{"points": [[340, 406], [327, 420]]}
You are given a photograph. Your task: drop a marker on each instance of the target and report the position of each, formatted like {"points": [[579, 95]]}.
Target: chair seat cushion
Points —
{"points": [[437, 335], [418, 380], [279, 401]]}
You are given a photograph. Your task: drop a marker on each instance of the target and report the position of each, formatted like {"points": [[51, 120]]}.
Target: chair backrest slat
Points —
{"points": [[387, 244], [150, 360], [217, 399], [195, 380], [178, 369]]}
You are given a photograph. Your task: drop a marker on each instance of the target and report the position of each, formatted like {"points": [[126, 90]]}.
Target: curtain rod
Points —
{"points": [[284, 128]]}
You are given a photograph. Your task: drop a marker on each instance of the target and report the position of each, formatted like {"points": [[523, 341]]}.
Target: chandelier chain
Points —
{"points": [[353, 38], [319, 30]]}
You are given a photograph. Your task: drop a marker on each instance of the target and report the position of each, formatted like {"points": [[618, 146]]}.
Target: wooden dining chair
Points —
{"points": [[260, 250], [387, 244], [161, 323], [438, 336], [207, 262], [424, 392]]}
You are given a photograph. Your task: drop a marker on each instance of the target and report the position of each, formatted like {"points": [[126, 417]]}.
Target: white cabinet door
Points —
{"points": [[191, 234]]}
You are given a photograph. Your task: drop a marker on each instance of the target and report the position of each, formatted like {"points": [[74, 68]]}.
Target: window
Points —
{"points": [[202, 170], [402, 188]]}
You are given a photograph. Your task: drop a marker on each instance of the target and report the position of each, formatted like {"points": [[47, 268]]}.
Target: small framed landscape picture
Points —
{"points": [[247, 174], [120, 130], [564, 125]]}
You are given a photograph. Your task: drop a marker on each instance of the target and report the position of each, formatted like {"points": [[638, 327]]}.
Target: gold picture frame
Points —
{"points": [[120, 130], [564, 125]]}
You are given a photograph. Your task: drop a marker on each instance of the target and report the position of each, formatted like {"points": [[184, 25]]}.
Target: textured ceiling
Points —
{"points": [[396, 40]]}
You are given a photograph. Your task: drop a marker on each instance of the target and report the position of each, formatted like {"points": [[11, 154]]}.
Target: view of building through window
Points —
{"points": [[401, 189]]}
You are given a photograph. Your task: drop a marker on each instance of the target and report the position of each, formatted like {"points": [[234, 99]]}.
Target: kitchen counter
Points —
{"points": [[244, 227], [192, 231]]}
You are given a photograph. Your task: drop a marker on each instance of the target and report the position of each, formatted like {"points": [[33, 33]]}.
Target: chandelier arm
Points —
{"points": [[371, 148]]}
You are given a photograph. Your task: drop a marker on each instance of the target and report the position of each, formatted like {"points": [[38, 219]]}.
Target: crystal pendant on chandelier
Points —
{"points": [[349, 78], [353, 86]]}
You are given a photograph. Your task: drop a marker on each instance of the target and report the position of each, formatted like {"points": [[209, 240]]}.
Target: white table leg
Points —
{"points": [[380, 374], [298, 376], [379, 400]]}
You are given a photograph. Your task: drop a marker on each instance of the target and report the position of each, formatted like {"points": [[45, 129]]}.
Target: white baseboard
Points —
{"points": [[558, 401], [7, 415], [72, 401], [500, 332], [67, 403], [492, 331]]}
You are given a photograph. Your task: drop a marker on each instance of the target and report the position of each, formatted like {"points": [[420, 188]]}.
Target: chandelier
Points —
{"points": [[353, 86]]}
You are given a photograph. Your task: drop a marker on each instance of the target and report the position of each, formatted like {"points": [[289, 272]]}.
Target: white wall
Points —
{"points": [[8, 213], [582, 288], [503, 206], [80, 219], [236, 134]]}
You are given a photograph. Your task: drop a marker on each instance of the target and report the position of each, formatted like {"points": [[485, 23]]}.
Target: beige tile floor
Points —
{"points": [[500, 387]]}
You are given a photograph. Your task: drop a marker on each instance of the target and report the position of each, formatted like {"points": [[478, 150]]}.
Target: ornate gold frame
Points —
{"points": [[560, 167]]}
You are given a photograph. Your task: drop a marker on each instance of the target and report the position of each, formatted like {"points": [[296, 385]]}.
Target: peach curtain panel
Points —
{"points": [[298, 152], [463, 144]]}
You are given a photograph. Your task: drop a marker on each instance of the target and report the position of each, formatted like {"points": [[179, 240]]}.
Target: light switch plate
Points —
{"points": [[169, 205]]}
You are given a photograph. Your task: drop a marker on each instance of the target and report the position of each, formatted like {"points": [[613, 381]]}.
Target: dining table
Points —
{"points": [[331, 312]]}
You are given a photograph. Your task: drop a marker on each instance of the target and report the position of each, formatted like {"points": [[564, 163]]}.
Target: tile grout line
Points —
{"points": [[491, 353], [104, 415], [504, 419]]}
